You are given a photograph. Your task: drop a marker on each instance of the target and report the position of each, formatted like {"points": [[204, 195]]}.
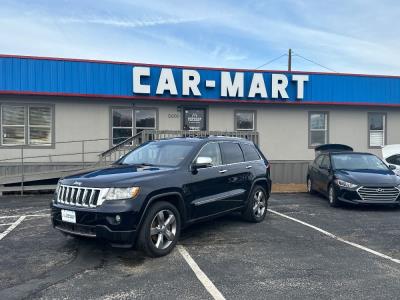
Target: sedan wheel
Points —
{"points": [[310, 190], [333, 201]]}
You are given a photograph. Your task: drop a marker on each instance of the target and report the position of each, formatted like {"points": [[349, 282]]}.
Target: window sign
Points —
{"points": [[194, 119]]}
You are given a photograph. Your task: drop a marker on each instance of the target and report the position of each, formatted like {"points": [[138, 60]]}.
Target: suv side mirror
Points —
{"points": [[392, 167], [202, 162]]}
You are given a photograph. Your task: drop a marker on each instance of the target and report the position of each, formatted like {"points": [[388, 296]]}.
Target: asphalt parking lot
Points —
{"points": [[279, 258]]}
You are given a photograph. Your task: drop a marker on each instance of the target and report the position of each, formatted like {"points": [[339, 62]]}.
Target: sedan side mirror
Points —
{"points": [[392, 167], [202, 162]]}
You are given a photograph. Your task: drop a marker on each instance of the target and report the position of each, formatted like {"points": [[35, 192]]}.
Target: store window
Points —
{"points": [[376, 129], [145, 119], [122, 124], [318, 128], [26, 125], [126, 122], [245, 120], [39, 125]]}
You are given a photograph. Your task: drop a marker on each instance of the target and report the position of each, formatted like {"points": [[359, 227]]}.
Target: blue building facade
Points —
{"points": [[47, 76]]}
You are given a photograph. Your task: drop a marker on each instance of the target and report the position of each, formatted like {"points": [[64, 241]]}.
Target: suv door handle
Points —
{"points": [[223, 171], [249, 167]]}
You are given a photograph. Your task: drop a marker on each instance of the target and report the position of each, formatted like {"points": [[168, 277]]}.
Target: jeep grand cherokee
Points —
{"points": [[147, 196]]}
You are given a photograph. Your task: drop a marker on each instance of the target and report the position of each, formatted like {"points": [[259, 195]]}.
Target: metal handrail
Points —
{"points": [[121, 144], [52, 155], [32, 147], [123, 147], [154, 134]]}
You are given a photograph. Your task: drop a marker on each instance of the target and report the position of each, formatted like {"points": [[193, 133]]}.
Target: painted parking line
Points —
{"points": [[19, 220], [38, 211], [30, 215], [12, 227], [201, 276], [331, 235]]}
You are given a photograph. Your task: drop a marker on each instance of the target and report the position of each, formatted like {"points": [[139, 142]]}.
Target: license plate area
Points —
{"points": [[68, 216]]}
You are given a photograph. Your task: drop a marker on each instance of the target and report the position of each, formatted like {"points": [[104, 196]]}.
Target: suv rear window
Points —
{"points": [[231, 153], [250, 152]]}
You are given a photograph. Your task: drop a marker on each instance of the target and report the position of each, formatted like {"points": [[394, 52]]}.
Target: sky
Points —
{"points": [[354, 36]]}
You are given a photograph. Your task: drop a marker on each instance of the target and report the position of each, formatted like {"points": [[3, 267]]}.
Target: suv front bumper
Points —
{"points": [[94, 223]]}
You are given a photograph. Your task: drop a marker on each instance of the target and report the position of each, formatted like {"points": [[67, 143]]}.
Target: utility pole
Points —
{"points": [[290, 60]]}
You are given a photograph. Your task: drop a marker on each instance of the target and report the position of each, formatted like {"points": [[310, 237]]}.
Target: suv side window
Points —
{"points": [[213, 151], [231, 153], [250, 152]]}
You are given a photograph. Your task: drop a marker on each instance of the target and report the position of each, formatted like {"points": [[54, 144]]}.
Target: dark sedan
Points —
{"points": [[346, 176]]}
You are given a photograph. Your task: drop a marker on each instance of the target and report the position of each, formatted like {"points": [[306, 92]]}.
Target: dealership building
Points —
{"points": [[57, 111]]}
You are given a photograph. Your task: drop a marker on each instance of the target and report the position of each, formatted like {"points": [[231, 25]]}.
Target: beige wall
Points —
{"points": [[283, 128]]}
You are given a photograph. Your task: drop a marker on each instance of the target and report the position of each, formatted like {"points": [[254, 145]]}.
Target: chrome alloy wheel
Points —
{"points": [[163, 229], [331, 195], [260, 203], [309, 185]]}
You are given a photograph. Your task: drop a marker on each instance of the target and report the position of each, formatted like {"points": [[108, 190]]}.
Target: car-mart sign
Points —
{"points": [[227, 84], [121, 80]]}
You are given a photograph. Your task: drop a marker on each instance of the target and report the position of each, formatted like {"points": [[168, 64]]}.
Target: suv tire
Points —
{"points": [[160, 230], [257, 205]]}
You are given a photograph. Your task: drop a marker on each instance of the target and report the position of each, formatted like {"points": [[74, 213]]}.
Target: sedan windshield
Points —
{"points": [[158, 153], [354, 162]]}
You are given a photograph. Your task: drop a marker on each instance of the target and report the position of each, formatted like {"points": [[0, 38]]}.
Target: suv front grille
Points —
{"points": [[79, 196], [379, 193]]}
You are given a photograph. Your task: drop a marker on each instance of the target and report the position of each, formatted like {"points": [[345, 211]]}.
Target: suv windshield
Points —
{"points": [[158, 153], [354, 162]]}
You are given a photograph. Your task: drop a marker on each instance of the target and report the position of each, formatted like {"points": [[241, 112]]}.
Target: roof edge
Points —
{"points": [[190, 67]]}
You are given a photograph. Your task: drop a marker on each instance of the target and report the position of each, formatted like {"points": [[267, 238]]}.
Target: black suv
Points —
{"points": [[147, 196]]}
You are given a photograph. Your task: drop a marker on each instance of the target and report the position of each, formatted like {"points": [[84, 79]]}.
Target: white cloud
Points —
{"points": [[131, 23]]}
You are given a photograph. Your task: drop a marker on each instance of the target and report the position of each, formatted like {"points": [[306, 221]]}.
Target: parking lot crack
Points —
{"points": [[83, 261]]}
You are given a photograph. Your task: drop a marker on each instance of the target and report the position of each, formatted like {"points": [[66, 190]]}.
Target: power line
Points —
{"points": [[271, 61], [311, 61]]}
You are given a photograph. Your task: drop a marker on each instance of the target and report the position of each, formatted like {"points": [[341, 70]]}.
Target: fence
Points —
{"points": [[16, 172], [147, 135]]}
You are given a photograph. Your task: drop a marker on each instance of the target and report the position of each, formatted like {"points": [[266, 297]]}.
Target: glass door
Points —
{"points": [[194, 119]]}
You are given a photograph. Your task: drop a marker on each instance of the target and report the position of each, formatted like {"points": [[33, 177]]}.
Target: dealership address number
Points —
{"points": [[173, 116]]}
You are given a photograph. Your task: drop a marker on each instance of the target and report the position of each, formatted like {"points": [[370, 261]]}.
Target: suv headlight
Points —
{"points": [[58, 186], [122, 193], [345, 184]]}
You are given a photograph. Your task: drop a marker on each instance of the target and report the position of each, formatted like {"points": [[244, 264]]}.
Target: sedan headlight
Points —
{"points": [[122, 193], [345, 184]]}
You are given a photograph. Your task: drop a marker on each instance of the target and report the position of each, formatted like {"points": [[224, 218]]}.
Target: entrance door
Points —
{"points": [[194, 119]]}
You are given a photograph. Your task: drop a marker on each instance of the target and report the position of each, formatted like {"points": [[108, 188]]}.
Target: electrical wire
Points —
{"points": [[271, 61], [311, 61]]}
